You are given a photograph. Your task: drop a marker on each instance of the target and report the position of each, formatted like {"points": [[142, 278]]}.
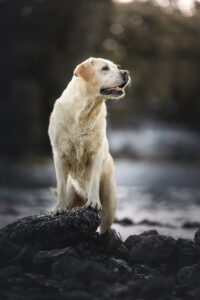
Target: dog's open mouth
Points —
{"points": [[117, 90]]}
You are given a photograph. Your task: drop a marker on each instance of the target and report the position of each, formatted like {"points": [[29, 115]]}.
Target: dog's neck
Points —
{"points": [[85, 109], [92, 110]]}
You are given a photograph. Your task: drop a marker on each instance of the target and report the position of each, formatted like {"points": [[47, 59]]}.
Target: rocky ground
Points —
{"points": [[62, 257]]}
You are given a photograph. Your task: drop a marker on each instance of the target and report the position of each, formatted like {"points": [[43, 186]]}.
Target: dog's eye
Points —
{"points": [[105, 68]]}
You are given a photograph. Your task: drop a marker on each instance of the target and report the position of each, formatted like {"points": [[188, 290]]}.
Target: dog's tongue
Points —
{"points": [[114, 88]]}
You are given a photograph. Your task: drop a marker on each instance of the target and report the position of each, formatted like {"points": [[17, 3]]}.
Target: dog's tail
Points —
{"points": [[54, 191]]}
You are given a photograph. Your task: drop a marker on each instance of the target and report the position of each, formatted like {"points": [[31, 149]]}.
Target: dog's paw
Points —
{"points": [[59, 209], [94, 203]]}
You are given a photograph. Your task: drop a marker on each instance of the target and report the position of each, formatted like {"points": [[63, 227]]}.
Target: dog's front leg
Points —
{"points": [[93, 195], [61, 177]]}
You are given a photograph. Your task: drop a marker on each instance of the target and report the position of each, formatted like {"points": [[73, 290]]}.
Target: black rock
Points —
{"points": [[48, 232], [78, 295], [187, 253], [65, 266], [195, 293], [152, 248], [132, 239], [9, 275], [191, 225], [149, 232], [197, 236], [46, 258], [190, 276], [124, 222], [122, 252], [145, 271], [8, 250], [98, 287], [183, 275], [25, 257], [71, 284], [89, 271], [109, 241], [119, 267], [10, 271], [157, 287]]}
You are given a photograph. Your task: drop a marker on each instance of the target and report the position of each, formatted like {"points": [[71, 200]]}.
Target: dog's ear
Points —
{"points": [[86, 71]]}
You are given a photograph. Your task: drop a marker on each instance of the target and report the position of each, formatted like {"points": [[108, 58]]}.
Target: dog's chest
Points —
{"points": [[78, 148]]}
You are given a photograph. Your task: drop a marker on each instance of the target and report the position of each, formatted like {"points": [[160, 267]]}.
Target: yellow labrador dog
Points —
{"points": [[77, 131]]}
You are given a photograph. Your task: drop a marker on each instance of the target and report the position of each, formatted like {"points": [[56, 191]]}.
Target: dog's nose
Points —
{"points": [[124, 72]]}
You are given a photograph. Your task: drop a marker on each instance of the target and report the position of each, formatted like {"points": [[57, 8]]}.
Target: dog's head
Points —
{"points": [[103, 78]]}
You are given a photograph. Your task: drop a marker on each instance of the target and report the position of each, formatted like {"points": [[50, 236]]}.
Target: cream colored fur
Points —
{"points": [[77, 131]]}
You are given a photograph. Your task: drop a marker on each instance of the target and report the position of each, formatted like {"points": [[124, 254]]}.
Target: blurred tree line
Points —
{"points": [[43, 40]]}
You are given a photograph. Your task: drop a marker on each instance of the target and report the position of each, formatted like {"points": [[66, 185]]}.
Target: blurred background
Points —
{"points": [[154, 132]]}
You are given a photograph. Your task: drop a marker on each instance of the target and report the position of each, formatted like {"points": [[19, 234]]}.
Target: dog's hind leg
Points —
{"points": [[108, 200]]}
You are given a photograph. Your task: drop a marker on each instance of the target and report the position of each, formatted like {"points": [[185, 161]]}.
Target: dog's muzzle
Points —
{"points": [[117, 90]]}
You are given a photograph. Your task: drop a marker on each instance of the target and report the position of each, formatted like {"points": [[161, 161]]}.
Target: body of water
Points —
{"points": [[157, 190]]}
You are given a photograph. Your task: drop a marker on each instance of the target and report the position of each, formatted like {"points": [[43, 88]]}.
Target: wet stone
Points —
{"points": [[124, 222], [190, 276], [45, 258], [11, 271], [109, 241], [197, 236], [65, 266], [122, 252], [132, 239], [157, 286], [98, 287], [187, 253], [152, 248], [191, 225], [50, 232], [78, 295], [25, 256], [119, 266], [195, 293], [94, 271], [8, 250], [71, 284], [144, 271]]}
